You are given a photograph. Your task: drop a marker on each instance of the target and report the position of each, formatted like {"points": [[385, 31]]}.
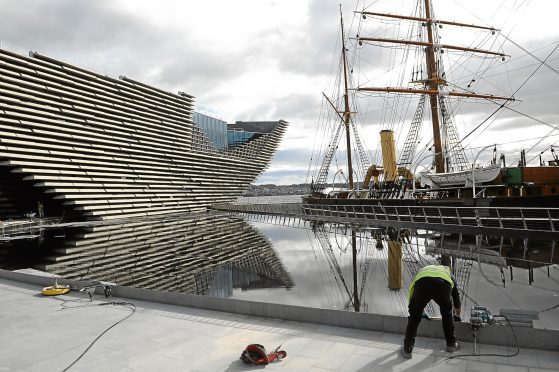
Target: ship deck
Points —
{"points": [[50, 333]]}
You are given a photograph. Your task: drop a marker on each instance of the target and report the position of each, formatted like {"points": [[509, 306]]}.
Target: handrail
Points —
{"points": [[466, 218], [234, 205]]}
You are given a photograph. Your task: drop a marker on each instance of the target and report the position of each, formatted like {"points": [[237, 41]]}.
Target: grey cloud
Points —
{"points": [[299, 157], [311, 53], [534, 92], [69, 27], [297, 107], [95, 35], [193, 70], [262, 111]]}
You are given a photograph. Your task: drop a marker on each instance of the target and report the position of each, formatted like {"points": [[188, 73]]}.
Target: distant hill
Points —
{"points": [[271, 189]]}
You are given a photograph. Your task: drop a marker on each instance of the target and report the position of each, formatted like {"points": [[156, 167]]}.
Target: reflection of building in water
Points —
{"points": [[233, 275], [200, 254]]}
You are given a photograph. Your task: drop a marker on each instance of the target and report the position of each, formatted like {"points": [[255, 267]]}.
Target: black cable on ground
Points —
{"points": [[128, 305], [65, 307], [493, 354], [550, 308]]}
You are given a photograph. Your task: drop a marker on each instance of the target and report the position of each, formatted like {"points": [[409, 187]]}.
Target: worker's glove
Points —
{"points": [[456, 318]]}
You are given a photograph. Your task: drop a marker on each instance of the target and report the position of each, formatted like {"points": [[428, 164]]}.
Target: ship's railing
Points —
{"points": [[282, 209], [472, 219], [541, 219]]}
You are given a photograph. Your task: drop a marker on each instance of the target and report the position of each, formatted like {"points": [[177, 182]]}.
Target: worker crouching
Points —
{"points": [[432, 282]]}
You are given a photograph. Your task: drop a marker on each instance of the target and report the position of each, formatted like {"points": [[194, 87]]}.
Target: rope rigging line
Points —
{"points": [[542, 62], [468, 78], [536, 144], [326, 121], [338, 278], [330, 291], [502, 105], [389, 112], [334, 265], [554, 128]]}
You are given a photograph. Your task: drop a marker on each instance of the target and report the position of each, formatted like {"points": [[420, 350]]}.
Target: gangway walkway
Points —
{"points": [[514, 222]]}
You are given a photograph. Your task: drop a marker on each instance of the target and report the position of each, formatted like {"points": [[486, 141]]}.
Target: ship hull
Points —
{"points": [[540, 201]]}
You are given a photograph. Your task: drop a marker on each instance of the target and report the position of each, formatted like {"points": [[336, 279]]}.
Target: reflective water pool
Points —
{"points": [[319, 265]]}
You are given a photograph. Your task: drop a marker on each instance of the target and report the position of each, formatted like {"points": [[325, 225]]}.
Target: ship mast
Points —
{"points": [[347, 118], [433, 81], [347, 111]]}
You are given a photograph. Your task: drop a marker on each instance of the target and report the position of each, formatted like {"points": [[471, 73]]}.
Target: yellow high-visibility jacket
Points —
{"points": [[433, 271]]}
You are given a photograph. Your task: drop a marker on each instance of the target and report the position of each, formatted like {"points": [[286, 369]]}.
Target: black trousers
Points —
{"points": [[427, 289]]}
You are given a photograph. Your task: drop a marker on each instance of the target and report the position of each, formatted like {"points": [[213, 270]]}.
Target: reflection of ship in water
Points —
{"points": [[393, 257], [496, 250], [200, 254], [383, 262]]}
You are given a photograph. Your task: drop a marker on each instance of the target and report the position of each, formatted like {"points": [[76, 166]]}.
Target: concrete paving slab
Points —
{"points": [[49, 333], [547, 359]]}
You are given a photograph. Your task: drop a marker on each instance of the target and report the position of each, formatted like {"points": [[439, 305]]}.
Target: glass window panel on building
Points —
{"points": [[238, 137], [215, 129]]}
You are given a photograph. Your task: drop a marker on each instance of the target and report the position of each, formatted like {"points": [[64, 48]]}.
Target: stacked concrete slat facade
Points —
{"points": [[96, 147], [182, 254]]}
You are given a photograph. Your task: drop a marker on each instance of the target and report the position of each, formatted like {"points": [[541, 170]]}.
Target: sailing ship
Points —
{"points": [[453, 179]]}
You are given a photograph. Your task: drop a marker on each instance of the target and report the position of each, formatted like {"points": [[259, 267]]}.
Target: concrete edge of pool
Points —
{"points": [[533, 338]]}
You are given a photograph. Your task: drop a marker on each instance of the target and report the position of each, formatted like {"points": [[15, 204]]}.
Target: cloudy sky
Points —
{"points": [[272, 59]]}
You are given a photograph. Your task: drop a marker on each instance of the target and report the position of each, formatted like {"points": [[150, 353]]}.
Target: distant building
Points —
{"points": [[244, 131], [227, 136]]}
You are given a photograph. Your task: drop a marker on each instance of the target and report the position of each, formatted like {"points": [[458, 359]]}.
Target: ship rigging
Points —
{"points": [[454, 178]]}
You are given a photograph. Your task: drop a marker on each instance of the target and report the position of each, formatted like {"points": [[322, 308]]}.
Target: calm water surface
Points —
{"points": [[217, 255]]}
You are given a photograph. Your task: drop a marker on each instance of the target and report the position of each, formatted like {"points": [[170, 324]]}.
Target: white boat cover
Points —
{"points": [[462, 178]]}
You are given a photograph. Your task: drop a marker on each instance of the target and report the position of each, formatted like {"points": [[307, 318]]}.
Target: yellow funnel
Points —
{"points": [[394, 265], [388, 155]]}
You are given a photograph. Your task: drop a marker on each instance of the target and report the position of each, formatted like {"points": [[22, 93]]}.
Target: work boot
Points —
{"points": [[452, 347], [406, 350]]}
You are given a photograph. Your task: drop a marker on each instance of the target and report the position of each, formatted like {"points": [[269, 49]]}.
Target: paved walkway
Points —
{"points": [[49, 333]]}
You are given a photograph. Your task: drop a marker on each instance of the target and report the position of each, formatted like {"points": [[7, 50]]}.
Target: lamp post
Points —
{"points": [[474, 169]]}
